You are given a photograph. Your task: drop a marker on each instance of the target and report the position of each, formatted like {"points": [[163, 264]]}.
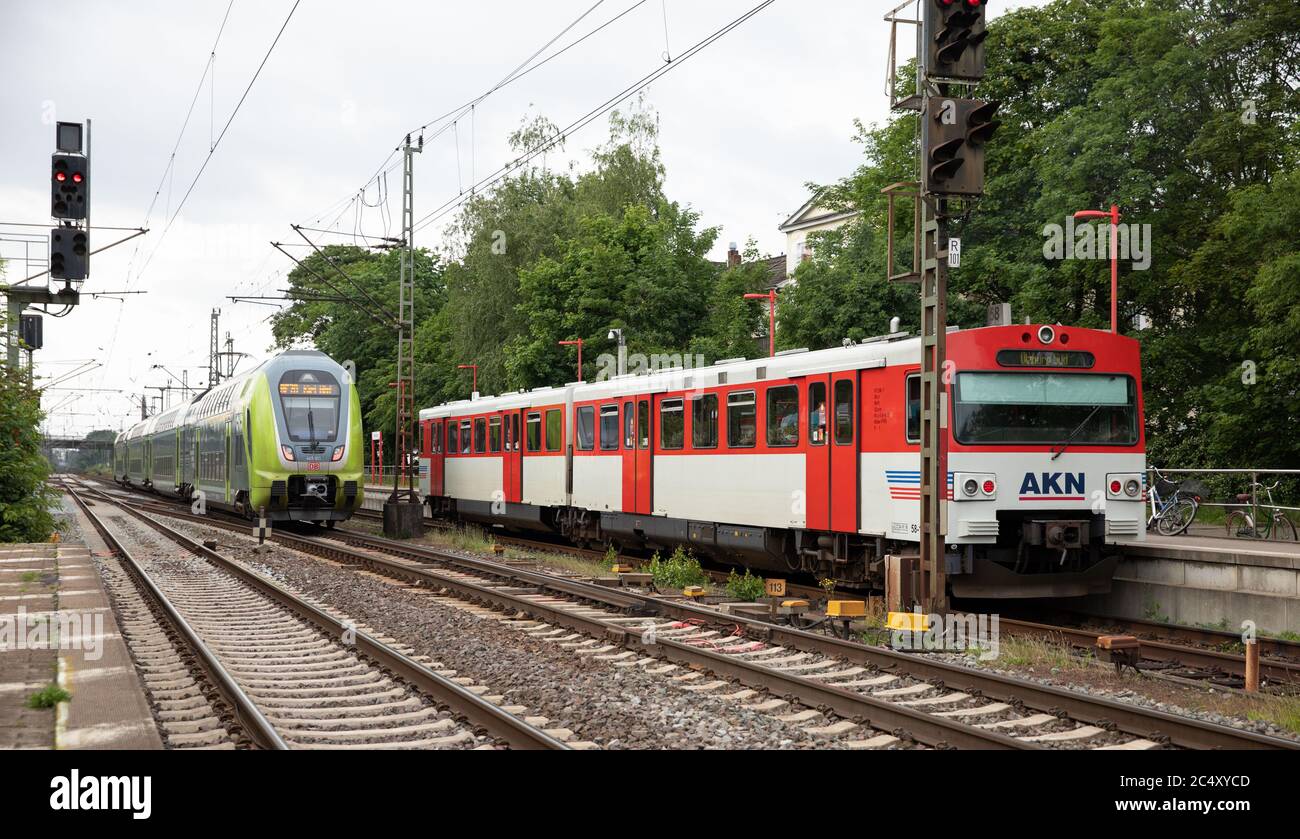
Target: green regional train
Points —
{"points": [[284, 438]]}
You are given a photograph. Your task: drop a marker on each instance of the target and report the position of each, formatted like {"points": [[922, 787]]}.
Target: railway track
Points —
{"points": [[1189, 654], [293, 675], [929, 701]]}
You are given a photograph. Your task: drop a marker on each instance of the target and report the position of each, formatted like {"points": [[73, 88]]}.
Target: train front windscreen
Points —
{"points": [[1046, 408], [310, 401]]}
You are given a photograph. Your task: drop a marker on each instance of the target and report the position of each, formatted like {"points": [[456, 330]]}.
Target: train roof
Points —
{"points": [[880, 351]]}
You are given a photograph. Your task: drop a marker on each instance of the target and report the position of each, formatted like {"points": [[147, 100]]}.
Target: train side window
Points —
{"points": [[629, 426], [586, 427], [672, 424], [843, 412], [742, 420], [535, 431], [783, 416], [817, 413], [514, 429], [554, 430], [465, 441], [704, 421], [914, 408], [494, 434], [480, 435], [453, 438], [609, 427], [643, 424]]}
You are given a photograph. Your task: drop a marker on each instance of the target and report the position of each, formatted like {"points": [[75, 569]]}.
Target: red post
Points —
{"points": [[473, 367], [575, 342], [1113, 215], [770, 297]]}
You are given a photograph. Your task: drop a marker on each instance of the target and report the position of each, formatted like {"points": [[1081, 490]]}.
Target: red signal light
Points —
{"points": [[989, 486], [76, 177], [60, 177], [974, 4], [1115, 487]]}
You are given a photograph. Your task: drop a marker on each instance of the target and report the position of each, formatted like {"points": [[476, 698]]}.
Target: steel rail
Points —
{"points": [[251, 720], [478, 711]]}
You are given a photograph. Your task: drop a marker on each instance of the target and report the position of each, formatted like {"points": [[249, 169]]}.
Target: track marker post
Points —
{"points": [[261, 531]]}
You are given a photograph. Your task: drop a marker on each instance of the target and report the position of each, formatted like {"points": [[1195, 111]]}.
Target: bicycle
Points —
{"points": [[1171, 511], [1243, 524]]}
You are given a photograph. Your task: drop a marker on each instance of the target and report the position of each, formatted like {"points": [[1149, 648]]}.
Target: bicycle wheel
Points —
{"points": [[1283, 528], [1177, 518], [1240, 524]]}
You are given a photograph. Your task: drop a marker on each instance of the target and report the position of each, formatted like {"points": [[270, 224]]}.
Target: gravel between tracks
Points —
{"points": [[613, 707]]}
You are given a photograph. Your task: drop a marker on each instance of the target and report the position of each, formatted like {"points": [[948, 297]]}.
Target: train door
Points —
{"points": [[436, 446], [637, 456], [817, 460], [513, 456], [226, 463], [844, 451]]}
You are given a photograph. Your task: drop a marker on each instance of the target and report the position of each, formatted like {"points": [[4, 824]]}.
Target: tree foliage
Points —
{"points": [[26, 500]]}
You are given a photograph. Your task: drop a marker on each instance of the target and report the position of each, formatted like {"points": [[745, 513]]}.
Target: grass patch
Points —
{"points": [[1037, 654], [1282, 711], [567, 562], [48, 697], [29, 576]]}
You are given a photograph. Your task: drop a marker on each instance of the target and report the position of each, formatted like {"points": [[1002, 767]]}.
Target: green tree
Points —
{"points": [[641, 271], [26, 500]]}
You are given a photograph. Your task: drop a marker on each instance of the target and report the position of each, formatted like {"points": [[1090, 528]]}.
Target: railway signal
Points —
{"points": [[954, 33], [69, 248], [953, 135], [69, 186]]}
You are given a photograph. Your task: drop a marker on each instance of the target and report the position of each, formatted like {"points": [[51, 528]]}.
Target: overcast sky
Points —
{"points": [[744, 125]]}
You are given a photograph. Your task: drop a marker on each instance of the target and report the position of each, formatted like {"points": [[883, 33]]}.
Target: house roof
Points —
{"points": [[810, 214]]}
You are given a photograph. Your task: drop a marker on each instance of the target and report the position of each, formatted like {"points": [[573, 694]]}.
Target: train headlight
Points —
{"points": [[287, 451], [974, 486], [1124, 486], [338, 454], [1046, 334]]}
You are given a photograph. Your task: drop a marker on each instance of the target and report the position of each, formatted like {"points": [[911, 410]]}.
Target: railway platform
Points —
{"points": [[1207, 580], [57, 628]]}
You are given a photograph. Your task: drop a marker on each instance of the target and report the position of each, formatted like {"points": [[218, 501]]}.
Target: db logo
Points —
{"points": [[313, 466]]}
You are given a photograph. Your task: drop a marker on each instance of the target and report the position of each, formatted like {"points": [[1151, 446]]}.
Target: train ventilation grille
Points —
{"points": [[313, 450], [1122, 528], [977, 528]]}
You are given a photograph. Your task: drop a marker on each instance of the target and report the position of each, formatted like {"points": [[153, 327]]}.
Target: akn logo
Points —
{"points": [[1052, 486]]}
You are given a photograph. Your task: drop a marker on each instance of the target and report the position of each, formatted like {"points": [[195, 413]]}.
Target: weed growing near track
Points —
{"points": [[48, 697], [680, 570], [747, 588]]}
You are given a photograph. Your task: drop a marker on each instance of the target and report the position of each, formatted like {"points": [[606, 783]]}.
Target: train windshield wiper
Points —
{"points": [[311, 426], [1059, 448]]}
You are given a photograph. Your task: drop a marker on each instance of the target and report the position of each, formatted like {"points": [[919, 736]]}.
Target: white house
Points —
{"points": [[812, 217]]}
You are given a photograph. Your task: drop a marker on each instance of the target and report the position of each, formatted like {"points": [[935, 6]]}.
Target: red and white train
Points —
{"points": [[809, 461]]}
